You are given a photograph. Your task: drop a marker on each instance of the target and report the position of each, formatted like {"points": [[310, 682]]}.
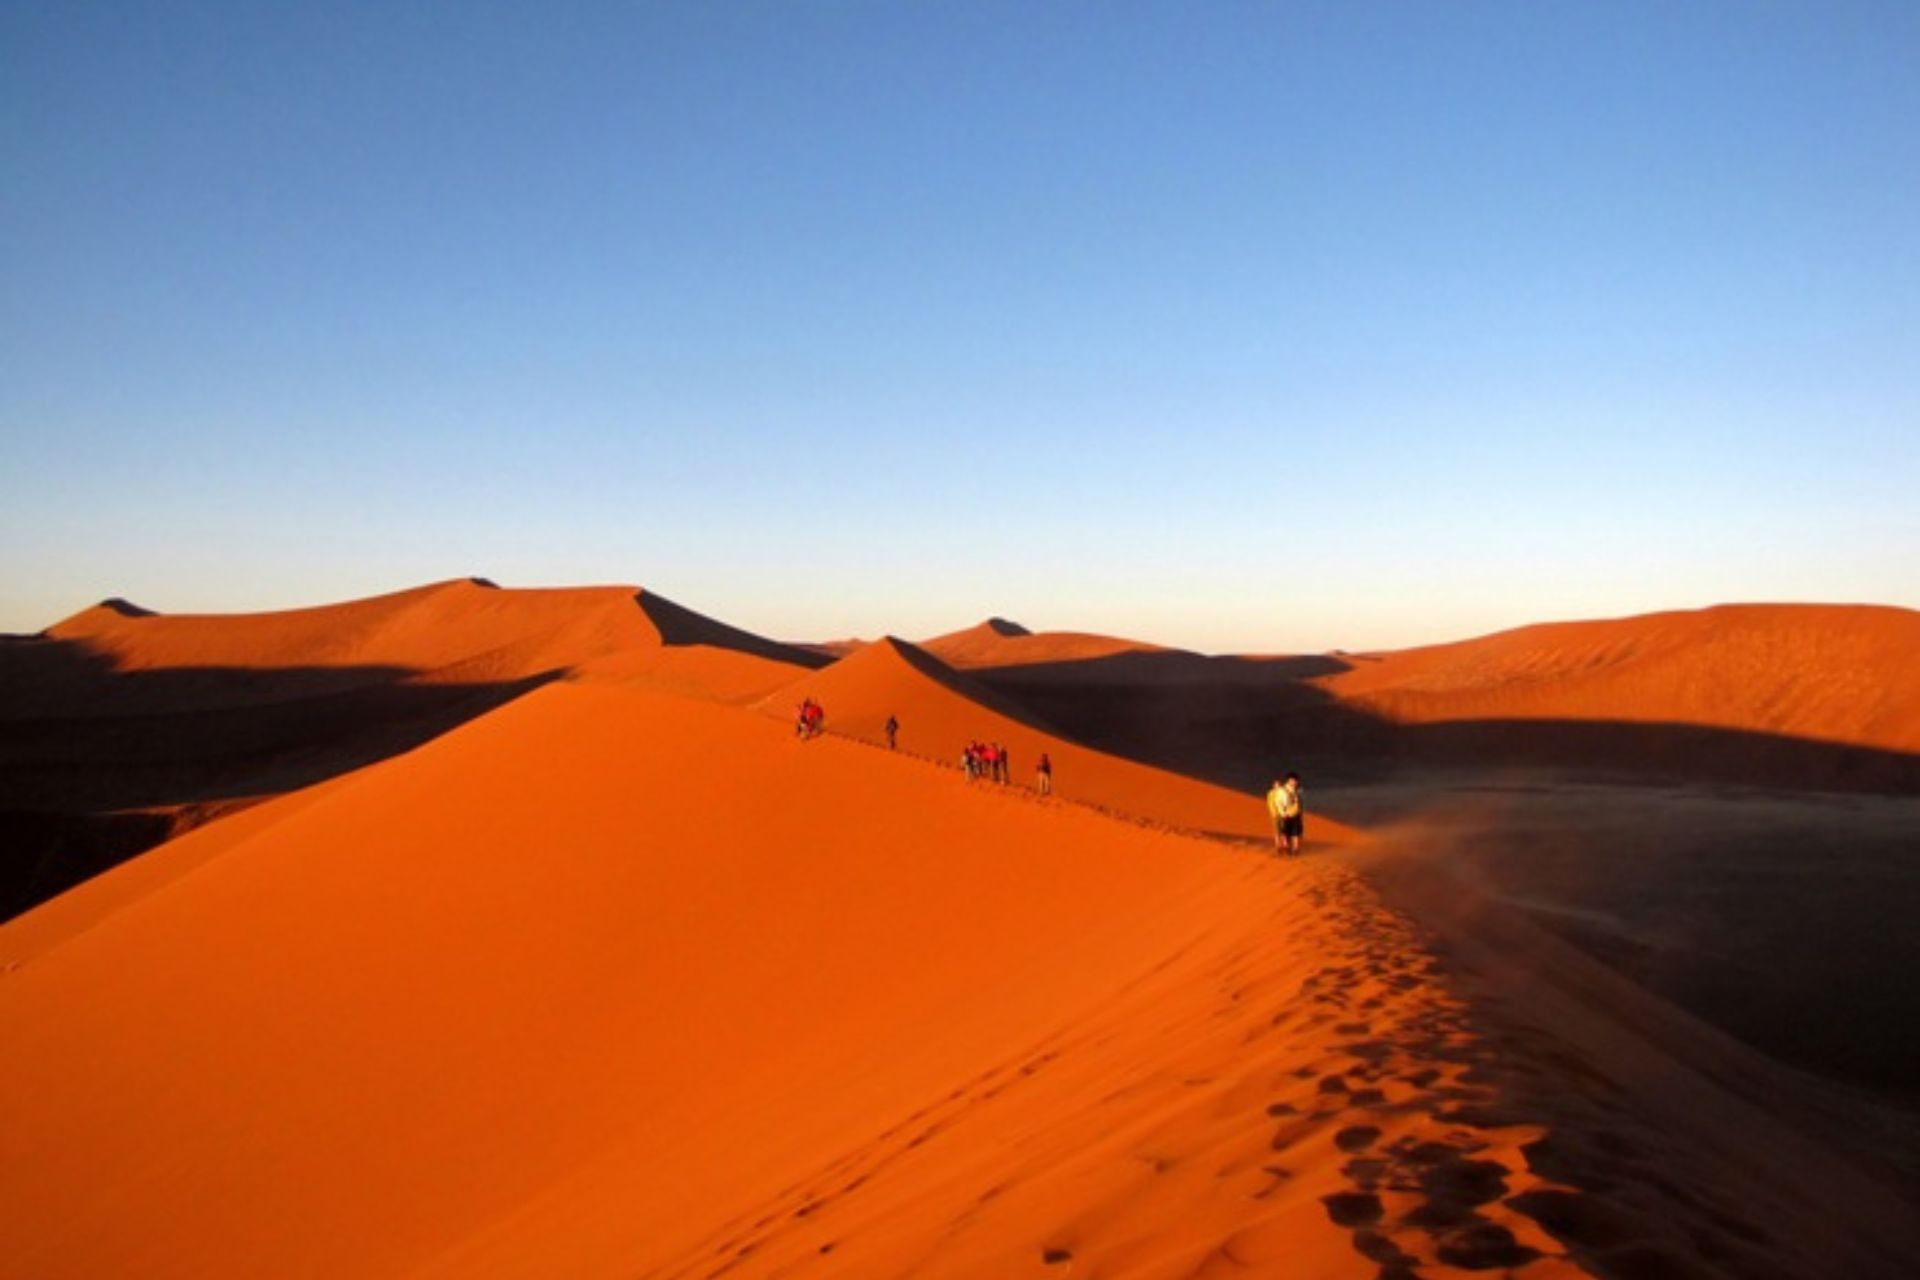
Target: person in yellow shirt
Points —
{"points": [[1289, 821]]}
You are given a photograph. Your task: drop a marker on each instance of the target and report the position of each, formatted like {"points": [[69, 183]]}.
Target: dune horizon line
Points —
{"points": [[832, 640]]}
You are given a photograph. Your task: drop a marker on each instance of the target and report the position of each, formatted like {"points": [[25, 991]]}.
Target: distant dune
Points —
{"points": [[836, 648], [1000, 643], [1845, 675], [1801, 696], [458, 631]]}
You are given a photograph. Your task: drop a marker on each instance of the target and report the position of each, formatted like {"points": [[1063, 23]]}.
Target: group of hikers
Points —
{"points": [[987, 760], [991, 761]]}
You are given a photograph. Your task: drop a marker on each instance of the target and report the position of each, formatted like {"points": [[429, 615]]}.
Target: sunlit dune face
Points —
{"points": [[1826, 673]]}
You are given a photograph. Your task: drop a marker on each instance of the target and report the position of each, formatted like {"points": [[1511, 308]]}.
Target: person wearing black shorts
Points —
{"points": [[1289, 815]]}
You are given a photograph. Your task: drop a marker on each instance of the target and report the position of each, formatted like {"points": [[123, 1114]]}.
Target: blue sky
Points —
{"points": [[1252, 327]]}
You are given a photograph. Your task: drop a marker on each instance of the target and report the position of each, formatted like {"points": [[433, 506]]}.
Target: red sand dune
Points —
{"points": [[120, 727], [613, 983], [837, 648], [191, 706], [462, 631], [562, 992], [1798, 696], [1000, 643], [940, 710], [1829, 673]]}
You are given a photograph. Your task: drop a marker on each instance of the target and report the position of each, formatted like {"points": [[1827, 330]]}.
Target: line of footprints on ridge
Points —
{"points": [[1416, 1037], [1429, 1047]]}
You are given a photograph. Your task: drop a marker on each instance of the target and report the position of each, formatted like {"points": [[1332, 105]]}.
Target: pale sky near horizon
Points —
{"points": [[1242, 327]]}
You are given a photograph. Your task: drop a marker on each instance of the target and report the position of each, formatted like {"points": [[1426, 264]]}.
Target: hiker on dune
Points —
{"points": [[1288, 813]]}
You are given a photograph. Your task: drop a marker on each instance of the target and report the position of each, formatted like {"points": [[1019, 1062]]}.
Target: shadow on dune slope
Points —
{"points": [[98, 765], [1757, 879], [120, 727], [679, 625], [1234, 720]]}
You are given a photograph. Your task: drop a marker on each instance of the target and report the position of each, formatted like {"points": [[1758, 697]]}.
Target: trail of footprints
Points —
{"points": [[1411, 1052], [852, 1171], [1598, 1189], [1421, 1106]]}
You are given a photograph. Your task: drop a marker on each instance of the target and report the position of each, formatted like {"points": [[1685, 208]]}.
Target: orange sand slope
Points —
{"points": [[120, 727], [1000, 643], [119, 708], [459, 631], [1830, 673], [612, 983], [940, 710], [1799, 696]]}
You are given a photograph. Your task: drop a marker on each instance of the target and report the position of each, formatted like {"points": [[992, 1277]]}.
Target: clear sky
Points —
{"points": [[1251, 327]]}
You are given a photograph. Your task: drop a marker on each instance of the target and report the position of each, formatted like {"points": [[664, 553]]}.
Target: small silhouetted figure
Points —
{"points": [[893, 734], [1006, 763], [1045, 769], [1289, 814]]}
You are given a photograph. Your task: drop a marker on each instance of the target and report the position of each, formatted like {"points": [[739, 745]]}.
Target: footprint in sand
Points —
{"points": [[1353, 1208], [1357, 1137], [1577, 1218], [1484, 1246]]}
